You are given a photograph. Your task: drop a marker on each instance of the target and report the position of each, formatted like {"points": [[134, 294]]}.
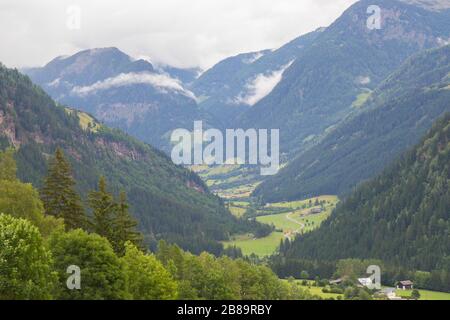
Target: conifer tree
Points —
{"points": [[104, 210], [59, 196], [124, 227]]}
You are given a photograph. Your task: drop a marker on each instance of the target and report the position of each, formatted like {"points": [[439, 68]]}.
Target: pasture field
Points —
{"points": [[302, 203], [425, 295], [287, 224], [317, 291], [237, 211], [262, 247]]}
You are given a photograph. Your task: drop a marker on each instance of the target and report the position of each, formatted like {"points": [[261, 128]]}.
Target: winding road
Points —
{"points": [[302, 225]]}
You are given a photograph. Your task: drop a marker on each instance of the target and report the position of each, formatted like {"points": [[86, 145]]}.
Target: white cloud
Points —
{"points": [[160, 81], [255, 57], [261, 85], [183, 33]]}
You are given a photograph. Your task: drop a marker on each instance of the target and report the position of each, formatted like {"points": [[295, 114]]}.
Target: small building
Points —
{"points": [[405, 285], [315, 210], [365, 282], [336, 282]]}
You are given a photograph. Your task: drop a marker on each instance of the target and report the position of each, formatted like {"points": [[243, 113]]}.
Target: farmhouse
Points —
{"points": [[315, 210], [405, 285], [336, 282], [365, 282]]}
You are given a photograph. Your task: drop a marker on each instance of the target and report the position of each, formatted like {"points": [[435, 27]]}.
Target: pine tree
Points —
{"points": [[104, 210], [124, 228], [59, 196]]}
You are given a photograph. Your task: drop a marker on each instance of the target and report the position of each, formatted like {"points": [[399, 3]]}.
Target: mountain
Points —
{"points": [[344, 63], [401, 217], [145, 101], [185, 75], [235, 84], [169, 201], [394, 117]]}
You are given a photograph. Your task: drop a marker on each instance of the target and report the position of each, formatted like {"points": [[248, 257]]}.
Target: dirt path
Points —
{"points": [[302, 225]]}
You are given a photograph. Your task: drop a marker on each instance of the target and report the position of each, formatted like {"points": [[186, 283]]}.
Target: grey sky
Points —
{"points": [[183, 33]]}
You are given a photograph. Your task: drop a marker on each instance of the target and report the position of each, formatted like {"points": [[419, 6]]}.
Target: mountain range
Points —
{"points": [[346, 62], [130, 94], [348, 99], [169, 202], [393, 118]]}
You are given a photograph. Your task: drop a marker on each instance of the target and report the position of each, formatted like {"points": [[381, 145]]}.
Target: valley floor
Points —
{"points": [[235, 185]]}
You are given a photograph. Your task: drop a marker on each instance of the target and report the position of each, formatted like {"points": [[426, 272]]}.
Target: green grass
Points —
{"points": [[86, 121], [279, 221], [268, 245], [361, 99], [317, 291], [299, 204], [425, 294], [261, 247], [314, 221], [241, 203], [237, 211], [241, 192]]}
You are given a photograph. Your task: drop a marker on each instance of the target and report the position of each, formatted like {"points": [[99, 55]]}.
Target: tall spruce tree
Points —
{"points": [[59, 196], [124, 227], [104, 210]]}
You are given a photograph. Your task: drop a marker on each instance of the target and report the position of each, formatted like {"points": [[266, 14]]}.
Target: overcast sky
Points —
{"points": [[184, 33]]}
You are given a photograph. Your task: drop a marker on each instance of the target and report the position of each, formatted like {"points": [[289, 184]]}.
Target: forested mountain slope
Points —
{"points": [[343, 64], [401, 217], [169, 201], [233, 85], [145, 101], [394, 117]]}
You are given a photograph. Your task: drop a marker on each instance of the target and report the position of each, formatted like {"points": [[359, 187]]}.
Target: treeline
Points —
{"points": [[45, 236], [402, 218], [438, 280]]}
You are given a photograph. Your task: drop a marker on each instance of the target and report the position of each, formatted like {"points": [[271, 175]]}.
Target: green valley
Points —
{"points": [[289, 219]]}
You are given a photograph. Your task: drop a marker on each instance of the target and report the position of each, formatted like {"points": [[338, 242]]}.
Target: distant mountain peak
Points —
{"points": [[433, 5]]}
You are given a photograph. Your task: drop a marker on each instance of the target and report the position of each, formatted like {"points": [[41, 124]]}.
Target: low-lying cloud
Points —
{"points": [[183, 33], [159, 81], [261, 85]]}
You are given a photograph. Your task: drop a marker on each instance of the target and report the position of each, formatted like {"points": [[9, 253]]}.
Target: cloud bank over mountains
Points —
{"points": [[261, 85], [194, 33], [161, 81]]}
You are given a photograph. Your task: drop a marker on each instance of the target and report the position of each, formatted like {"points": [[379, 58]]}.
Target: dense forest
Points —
{"points": [[391, 119], [46, 236], [169, 201], [401, 217]]}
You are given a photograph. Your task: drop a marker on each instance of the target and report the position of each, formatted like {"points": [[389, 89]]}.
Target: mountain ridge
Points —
{"points": [[169, 201], [393, 118]]}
